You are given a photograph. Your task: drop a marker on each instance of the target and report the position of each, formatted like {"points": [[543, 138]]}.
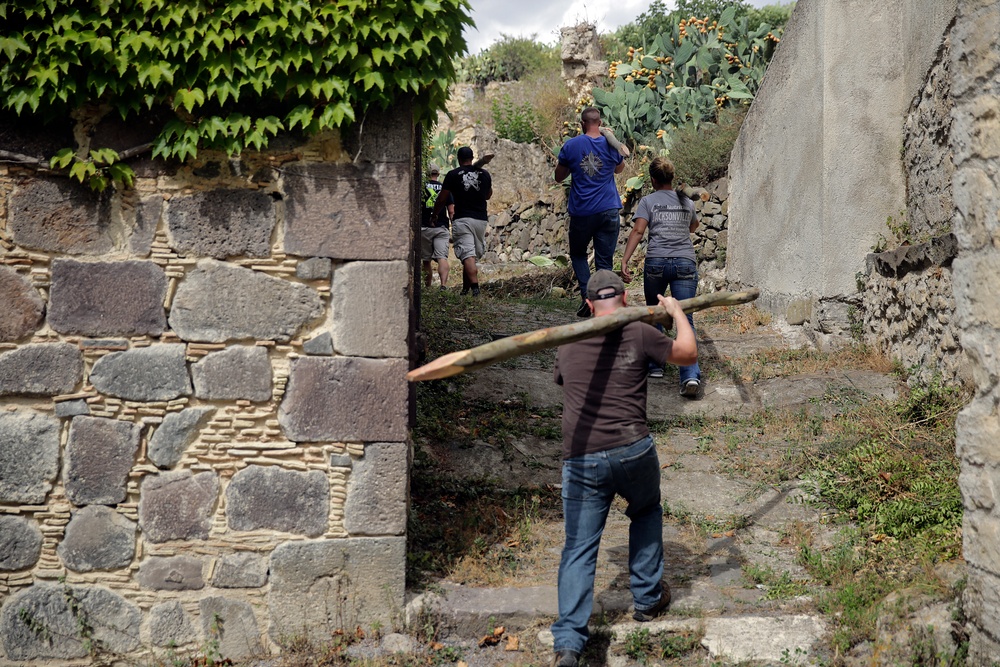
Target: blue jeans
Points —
{"points": [[602, 228], [589, 484], [681, 276]]}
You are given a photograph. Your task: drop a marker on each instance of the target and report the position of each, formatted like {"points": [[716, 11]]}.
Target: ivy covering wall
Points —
{"points": [[234, 73]]}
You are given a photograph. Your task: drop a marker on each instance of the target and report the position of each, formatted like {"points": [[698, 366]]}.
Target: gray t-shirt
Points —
{"points": [[669, 224]]}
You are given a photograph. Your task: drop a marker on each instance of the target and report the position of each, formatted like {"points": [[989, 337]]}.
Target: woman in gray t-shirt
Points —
{"points": [[670, 262]]}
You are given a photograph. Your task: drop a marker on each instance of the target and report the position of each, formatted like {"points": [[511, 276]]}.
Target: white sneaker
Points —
{"points": [[690, 388]]}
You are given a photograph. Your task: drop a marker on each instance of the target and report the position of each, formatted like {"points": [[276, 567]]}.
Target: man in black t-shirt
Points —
{"points": [[471, 188], [607, 451]]}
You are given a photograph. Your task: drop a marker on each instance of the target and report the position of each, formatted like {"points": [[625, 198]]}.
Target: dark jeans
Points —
{"points": [[602, 228], [681, 276], [590, 483]]}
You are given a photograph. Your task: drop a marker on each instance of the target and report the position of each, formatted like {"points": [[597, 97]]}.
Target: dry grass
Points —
{"points": [[779, 362], [735, 319]]}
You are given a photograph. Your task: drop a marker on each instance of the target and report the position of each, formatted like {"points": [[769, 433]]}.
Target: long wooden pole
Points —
{"points": [[541, 339]]}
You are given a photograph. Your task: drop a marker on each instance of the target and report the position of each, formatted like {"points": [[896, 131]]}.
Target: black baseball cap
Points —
{"points": [[464, 153], [602, 280]]}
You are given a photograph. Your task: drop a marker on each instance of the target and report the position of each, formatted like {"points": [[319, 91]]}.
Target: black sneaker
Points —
{"points": [[565, 659], [649, 614], [584, 310], [475, 290]]}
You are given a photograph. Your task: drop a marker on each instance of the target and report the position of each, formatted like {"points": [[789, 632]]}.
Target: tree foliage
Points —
{"points": [[234, 72], [508, 59]]}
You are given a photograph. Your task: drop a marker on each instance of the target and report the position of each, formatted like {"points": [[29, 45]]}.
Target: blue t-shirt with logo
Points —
{"points": [[591, 161]]}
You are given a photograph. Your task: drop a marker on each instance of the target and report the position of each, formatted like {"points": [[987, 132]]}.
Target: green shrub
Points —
{"points": [[702, 155], [517, 122], [508, 59]]}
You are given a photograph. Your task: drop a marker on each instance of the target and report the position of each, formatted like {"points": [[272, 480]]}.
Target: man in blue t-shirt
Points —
{"points": [[593, 198]]}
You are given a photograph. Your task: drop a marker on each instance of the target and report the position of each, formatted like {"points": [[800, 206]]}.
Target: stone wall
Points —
{"points": [[906, 306], [975, 140], [204, 424], [818, 167]]}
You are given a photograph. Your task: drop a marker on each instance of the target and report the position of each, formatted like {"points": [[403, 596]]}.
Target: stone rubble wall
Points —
{"points": [[818, 165], [906, 307], [583, 63], [975, 139], [203, 434]]}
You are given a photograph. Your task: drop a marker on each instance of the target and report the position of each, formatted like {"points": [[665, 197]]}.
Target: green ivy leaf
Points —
{"points": [[189, 99], [62, 158], [82, 170], [103, 156], [11, 45], [299, 116]]}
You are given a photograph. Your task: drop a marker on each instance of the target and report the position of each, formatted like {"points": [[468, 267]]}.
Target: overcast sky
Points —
{"points": [[543, 18]]}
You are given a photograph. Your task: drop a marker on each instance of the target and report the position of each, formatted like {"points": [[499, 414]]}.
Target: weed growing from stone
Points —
{"points": [[779, 585]]}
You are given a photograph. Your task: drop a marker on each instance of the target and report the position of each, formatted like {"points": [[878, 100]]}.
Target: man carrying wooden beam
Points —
{"points": [[607, 450]]}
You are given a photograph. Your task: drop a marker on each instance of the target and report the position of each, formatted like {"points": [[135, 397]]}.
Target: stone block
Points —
{"points": [[219, 302], [222, 223], [385, 136], [982, 598], [370, 304], [21, 307], [241, 371], [981, 537], [270, 498], [147, 217], [99, 456], [72, 408], [174, 434], [240, 570], [376, 491], [29, 456], [171, 573], [321, 586], [107, 298], [61, 216], [154, 373], [44, 369], [114, 622], [170, 625], [314, 268], [20, 543], [177, 505], [345, 399], [319, 346], [341, 461], [97, 538], [232, 624], [799, 311], [348, 211]]}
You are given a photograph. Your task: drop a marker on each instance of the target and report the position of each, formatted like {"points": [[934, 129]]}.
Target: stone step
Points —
{"points": [[736, 639]]}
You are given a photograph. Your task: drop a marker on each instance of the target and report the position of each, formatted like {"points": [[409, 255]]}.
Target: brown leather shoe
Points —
{"points": [[565, 659], [658, 608]]}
